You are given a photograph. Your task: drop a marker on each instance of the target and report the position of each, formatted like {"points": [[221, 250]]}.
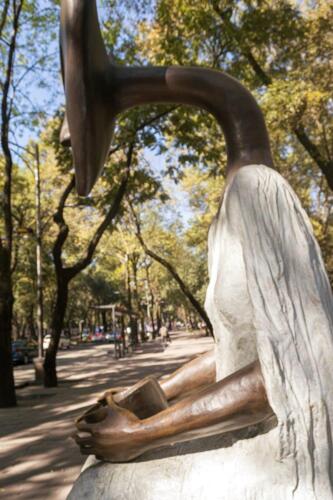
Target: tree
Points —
{"points": [[171, 269], [22, 54], [121, 176], [321, 156], [65, 274], [7, 389]]}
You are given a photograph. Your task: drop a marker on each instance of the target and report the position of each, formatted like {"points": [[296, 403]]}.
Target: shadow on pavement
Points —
{"points": [[37, 455]]}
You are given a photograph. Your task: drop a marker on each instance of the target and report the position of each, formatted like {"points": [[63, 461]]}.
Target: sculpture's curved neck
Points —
{"points": [[232, 105]]}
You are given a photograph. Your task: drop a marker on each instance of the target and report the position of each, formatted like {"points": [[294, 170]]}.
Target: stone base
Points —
{"points": [[228, 467]]}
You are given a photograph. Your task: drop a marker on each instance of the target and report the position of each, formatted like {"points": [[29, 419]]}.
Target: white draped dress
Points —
{"points": [[269, 298]]}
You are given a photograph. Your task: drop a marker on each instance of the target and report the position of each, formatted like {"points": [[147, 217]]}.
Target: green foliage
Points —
{"points": [[281, 51]]}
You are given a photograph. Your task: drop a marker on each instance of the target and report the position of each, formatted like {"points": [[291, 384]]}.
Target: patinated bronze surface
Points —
{"points": [[144, 399], [96, 92], [115, 434]]}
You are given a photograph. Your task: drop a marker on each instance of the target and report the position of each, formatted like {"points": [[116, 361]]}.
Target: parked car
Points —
{"points": [[64, 342], [112, 336], [23, 352]]}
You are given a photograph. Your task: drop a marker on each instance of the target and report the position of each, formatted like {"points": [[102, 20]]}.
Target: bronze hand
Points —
{"points": [[109, 435]]}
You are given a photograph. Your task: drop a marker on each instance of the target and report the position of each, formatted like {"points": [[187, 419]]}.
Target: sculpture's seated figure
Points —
{"points": [[269, 301]]}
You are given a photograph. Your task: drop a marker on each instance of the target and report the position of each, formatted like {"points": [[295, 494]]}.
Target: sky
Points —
{"points": [[179, 201]]}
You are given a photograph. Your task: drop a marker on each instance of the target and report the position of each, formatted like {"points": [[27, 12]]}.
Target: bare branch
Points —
{"points": [[141, 127], [15, 258], [32, 67], [58, 218], [4, 16]]}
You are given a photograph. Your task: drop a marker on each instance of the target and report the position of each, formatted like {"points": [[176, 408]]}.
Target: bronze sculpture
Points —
{"points": [[107, 90], [265, 362]]}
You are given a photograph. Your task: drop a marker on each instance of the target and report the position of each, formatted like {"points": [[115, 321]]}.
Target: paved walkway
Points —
{"points": [[38, 459]]}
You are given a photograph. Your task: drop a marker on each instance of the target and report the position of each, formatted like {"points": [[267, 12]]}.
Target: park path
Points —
{"points": [[38, 459]]}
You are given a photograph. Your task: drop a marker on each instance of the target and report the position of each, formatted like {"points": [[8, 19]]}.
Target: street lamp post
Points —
{"points": [[38, 362], [38, 254]]}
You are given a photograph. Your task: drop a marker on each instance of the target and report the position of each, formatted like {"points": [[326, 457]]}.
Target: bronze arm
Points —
{"points": [[235, 402], [197, 373]]}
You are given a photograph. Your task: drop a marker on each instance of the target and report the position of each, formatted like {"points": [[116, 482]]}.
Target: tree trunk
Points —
{"points": [[16, 328], [104, 322], [58, 316], [158, 320], [7, 386], [32, 331], [151, 301], [139, 311], [133, 322]]}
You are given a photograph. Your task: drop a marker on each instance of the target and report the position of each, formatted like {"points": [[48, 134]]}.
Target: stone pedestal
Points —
{"points": [[234, 466]]}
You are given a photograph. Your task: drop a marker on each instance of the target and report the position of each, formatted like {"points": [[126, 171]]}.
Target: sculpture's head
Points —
{"points": [[89, 121]]}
